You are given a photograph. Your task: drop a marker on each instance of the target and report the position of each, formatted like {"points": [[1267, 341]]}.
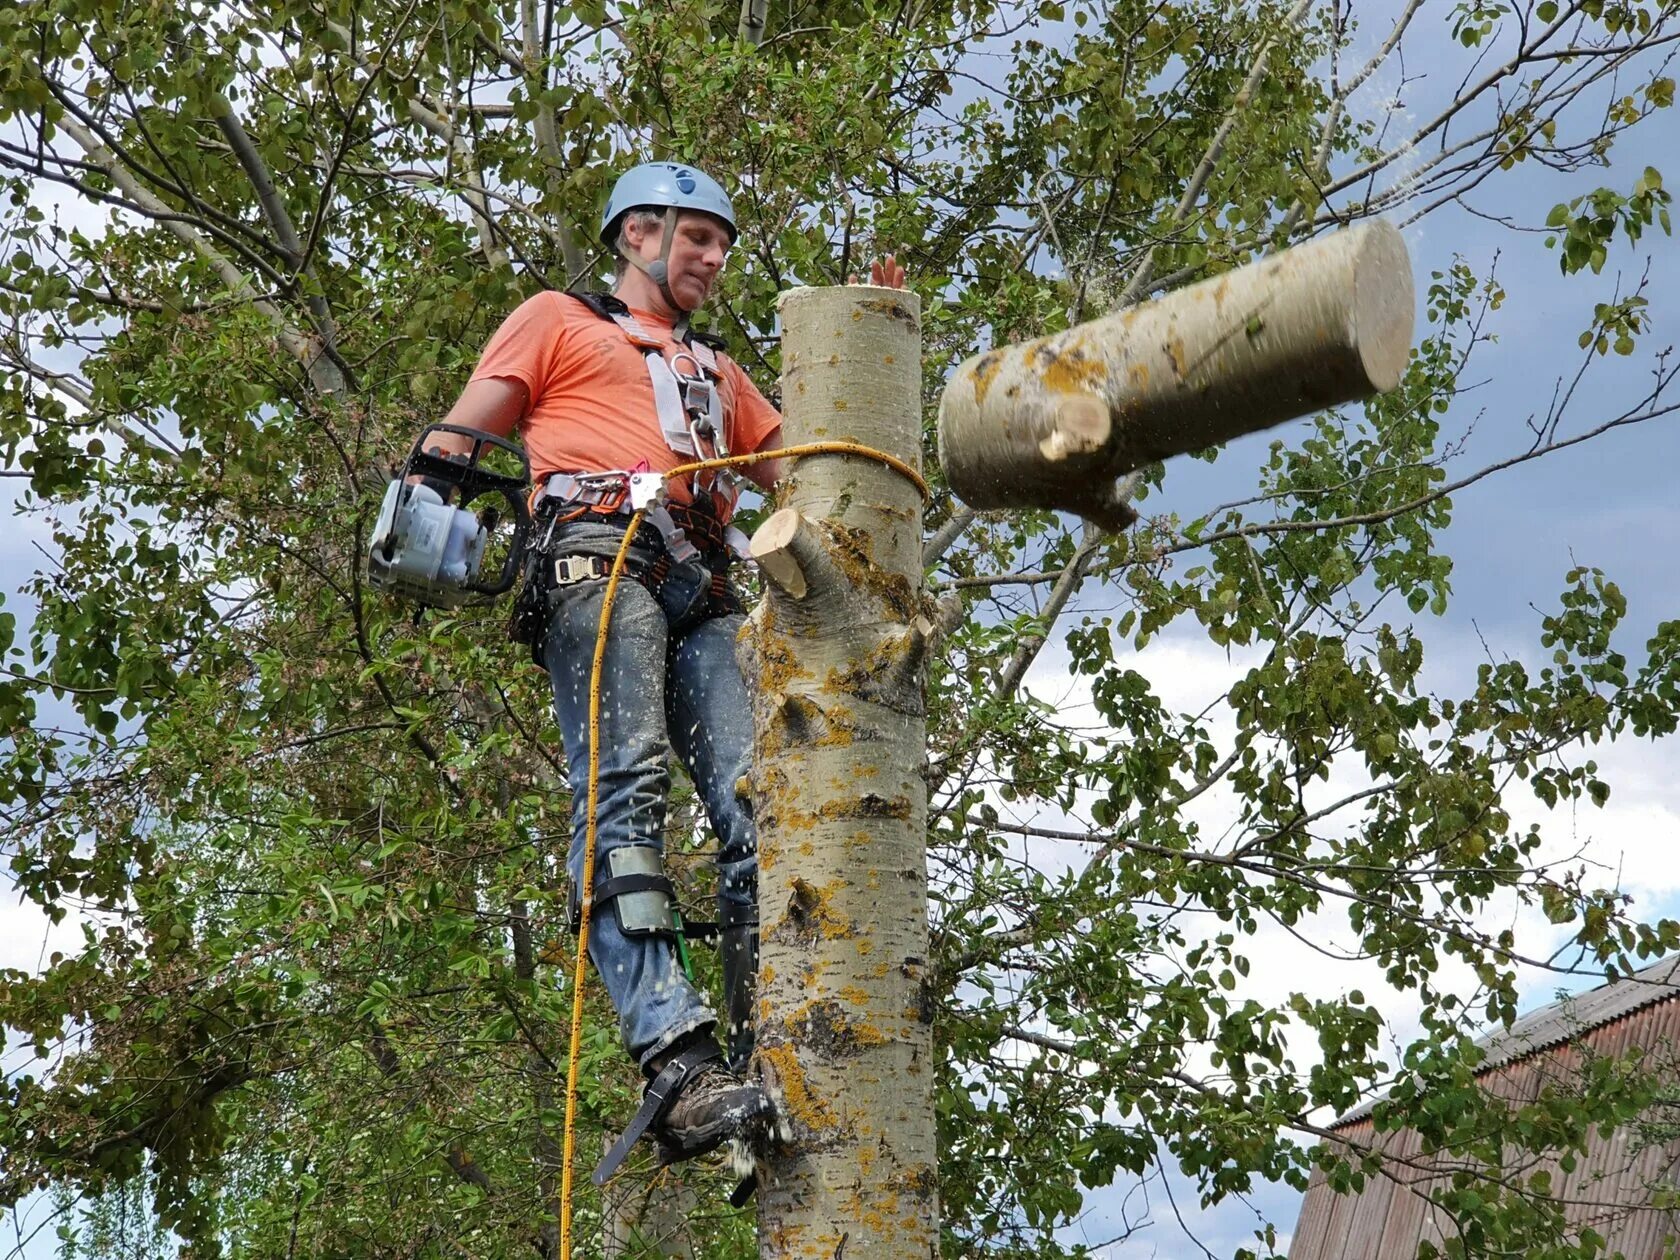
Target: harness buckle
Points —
{"points": [[607, 487], [602, 491], [698, 393], [570, 570]]}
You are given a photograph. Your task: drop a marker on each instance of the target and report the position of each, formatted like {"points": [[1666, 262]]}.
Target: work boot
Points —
{"points": [[692, 1104], [710, 1105]]}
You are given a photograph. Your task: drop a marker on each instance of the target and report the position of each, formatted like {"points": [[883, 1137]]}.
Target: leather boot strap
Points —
{"points": [[661, 1091]]}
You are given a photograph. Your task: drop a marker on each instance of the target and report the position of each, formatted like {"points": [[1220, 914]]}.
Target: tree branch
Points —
{"points": [[328, 372], [299, 346], [435, 118], [1371, 518], [548, 139], [1216, 149]]}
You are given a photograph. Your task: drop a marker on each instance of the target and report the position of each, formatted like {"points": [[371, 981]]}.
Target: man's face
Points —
{"points": [[697, 253]]}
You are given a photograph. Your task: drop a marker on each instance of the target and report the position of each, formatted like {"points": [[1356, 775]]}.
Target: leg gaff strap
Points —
{"points": [[644, 899], [742, 1194], [738, 948], [633, 880]]}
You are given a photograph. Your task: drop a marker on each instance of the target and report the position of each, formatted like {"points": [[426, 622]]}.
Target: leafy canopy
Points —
{"points": [[314, 845]]}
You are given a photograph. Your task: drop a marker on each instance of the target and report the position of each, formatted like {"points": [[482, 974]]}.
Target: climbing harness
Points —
{"points": [[686, 395], [608, 493], [648, 1116]]}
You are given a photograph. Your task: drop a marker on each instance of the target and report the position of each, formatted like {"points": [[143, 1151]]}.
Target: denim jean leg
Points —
{"points": [[643, 977], [711, 728]]}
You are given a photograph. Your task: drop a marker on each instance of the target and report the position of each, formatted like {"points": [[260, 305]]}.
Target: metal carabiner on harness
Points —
{"points": [[701, 409], [602, 483]]}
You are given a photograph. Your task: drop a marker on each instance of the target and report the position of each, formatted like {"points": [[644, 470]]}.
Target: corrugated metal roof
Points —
{"points": [[1609, 1186], [1567, 1019], [1582, 1012]]}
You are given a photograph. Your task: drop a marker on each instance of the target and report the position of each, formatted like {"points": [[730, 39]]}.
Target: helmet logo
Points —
{"points": [[685, 180]]}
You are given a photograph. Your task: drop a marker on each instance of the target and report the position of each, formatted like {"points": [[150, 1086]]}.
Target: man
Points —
{"points": [[595, 386]]}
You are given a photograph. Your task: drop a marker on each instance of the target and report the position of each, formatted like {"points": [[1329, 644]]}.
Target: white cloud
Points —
{"points": [[28, 938]]}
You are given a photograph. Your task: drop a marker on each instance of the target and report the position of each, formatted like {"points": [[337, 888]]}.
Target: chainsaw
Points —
{"points": [[426, 545]]}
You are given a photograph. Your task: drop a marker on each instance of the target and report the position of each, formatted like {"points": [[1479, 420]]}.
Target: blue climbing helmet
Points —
{"points": [[665, 186]]}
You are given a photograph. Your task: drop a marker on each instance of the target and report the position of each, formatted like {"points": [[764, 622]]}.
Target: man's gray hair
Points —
{"points": [[645, 219]]}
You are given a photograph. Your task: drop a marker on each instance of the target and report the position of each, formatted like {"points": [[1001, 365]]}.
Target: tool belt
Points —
{"points": [[689, 537]]}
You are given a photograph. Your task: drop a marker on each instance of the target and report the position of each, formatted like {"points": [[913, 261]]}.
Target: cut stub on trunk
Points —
{"points": [[1055, 422]]}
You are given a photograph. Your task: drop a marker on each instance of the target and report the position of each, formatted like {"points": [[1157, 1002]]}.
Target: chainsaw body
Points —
{"points": [[426, 545]]}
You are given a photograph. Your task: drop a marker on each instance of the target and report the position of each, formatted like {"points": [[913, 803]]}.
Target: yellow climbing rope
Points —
{"points": [[586, 894], [809, 448]]}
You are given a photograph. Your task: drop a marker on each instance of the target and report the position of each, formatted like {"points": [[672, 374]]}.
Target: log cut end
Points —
{"points": [[1385, 304], [776, 546], [1081, 426]]}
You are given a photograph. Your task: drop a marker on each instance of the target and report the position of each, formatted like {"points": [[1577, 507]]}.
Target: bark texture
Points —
{"points": [[835, 652], [1056, 421]]}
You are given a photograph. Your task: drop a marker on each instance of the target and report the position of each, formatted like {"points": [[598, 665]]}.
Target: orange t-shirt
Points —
{"points": [[589, 403]]}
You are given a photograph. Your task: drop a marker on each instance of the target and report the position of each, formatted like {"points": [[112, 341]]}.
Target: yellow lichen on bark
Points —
{"points": [[795, 1100], [1066, 366]]}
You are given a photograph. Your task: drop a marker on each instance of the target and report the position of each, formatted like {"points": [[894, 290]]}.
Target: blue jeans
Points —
{"points": [[668, 682]]}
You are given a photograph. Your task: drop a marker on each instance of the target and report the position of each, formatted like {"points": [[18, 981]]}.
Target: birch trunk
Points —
{"points": [[646, 1214], [1056, 421], [835, 653]]}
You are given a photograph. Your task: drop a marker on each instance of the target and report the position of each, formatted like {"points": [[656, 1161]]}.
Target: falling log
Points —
{"points": [[1055, 422]]}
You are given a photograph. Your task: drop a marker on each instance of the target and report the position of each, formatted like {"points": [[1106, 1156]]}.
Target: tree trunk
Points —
{"points": [[646, 1214], [1054, 422], [835, 653], [754, 13]]}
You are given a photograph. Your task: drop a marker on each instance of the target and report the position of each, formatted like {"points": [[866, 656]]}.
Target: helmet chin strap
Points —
{"points": [[659, 270]]}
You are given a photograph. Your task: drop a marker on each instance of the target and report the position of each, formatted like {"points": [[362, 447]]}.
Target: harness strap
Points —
{"points": [[618, 885], [640, 337], [677, 545], [668, 404], [656, 1101], [707, 532], [606, 492], [586, 489], [731, 915], [689, 404], [706, 931]]}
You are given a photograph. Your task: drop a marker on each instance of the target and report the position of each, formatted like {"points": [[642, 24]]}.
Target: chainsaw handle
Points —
{"points": [[465, 468], [511, 566]]}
